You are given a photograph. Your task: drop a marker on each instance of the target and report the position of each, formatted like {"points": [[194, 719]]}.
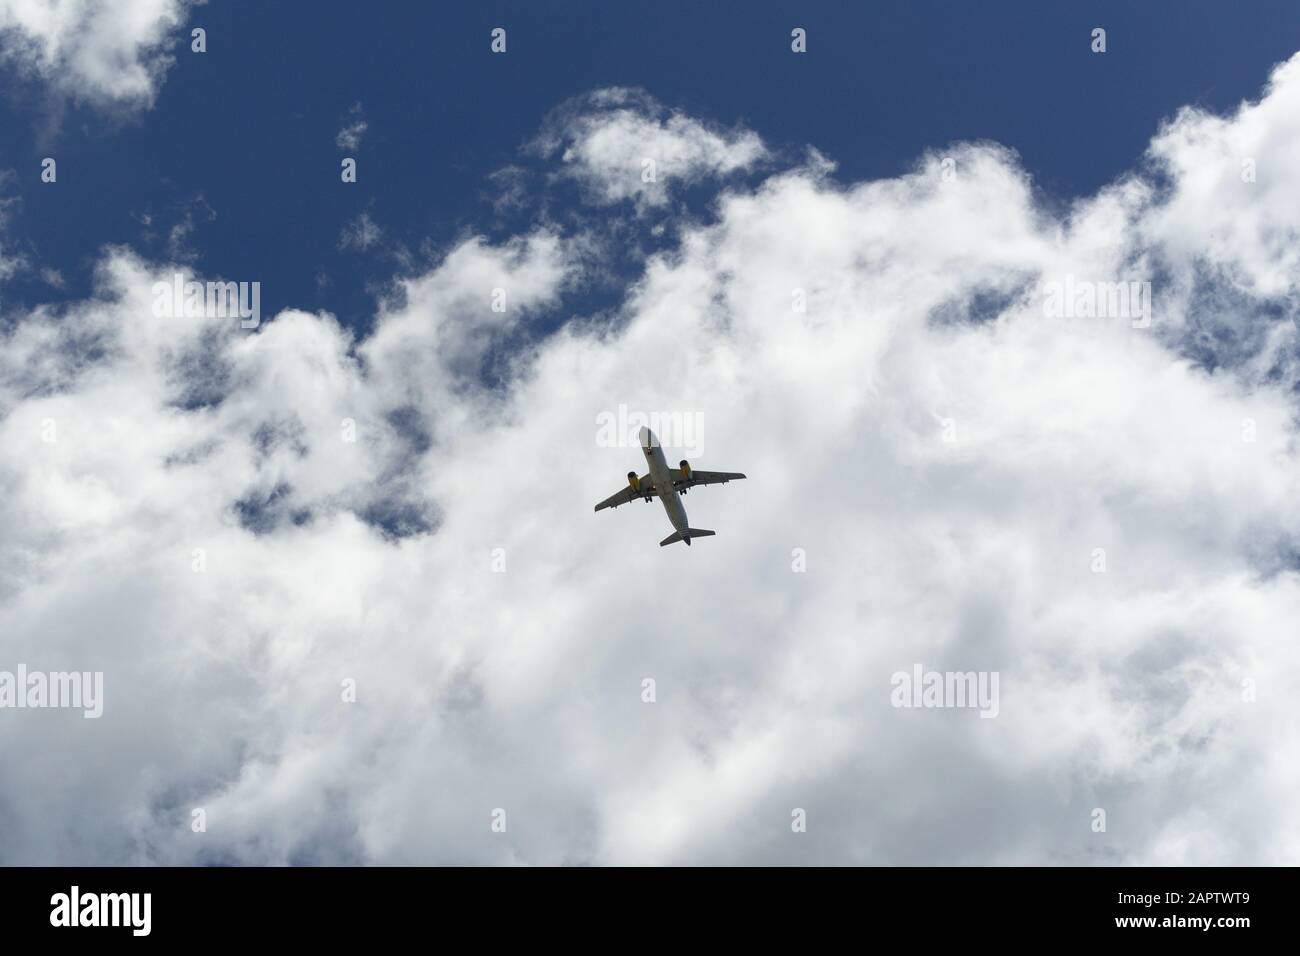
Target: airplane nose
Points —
{"points": [[648, 439]]}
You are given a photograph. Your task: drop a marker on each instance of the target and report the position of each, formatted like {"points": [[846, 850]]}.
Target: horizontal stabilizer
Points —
{"points": [[686, 536]]}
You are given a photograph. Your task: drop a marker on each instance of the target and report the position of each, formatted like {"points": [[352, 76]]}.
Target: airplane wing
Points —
{"points": [[680, 481], [627, 494]]}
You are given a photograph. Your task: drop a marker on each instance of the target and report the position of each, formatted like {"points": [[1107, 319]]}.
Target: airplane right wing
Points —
{"points": [[645, 488]]}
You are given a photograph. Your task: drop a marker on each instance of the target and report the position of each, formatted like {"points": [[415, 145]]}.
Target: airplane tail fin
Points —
{"points": [[686, 536]]}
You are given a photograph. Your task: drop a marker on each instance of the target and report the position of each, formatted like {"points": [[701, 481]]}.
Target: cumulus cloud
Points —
{"points": [[945, 455], [1234, 210], [104, 53], [623, 144]]}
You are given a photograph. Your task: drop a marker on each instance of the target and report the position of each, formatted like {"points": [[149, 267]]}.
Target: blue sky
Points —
{"points": [[250, 126]]}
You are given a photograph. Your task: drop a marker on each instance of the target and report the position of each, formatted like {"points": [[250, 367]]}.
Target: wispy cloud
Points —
{"points": [[354, 128], [361, 233]]}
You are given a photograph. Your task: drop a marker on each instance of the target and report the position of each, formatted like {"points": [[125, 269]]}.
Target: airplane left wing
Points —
{"points": [[646, 488], [702, 478]]}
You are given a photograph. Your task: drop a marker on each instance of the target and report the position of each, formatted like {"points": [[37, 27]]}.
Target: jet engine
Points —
{"points": [[685, 466], [634, 481]]}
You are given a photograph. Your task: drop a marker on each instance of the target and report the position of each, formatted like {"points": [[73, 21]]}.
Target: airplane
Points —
{"points": [[667, 483]]}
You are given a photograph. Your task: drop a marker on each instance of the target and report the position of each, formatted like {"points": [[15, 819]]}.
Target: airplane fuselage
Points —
{"points": [[662, 477]]}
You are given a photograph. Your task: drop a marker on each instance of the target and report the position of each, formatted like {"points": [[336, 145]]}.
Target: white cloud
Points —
{"points": [[328, 560], [1235, 207], [360, 233], [623, 144], [190, 212], [11, 263], [100, 52], [354, 128]]}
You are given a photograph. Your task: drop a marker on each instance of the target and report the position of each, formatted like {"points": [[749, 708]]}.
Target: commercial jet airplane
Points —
{"points": [[666, 483]]}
